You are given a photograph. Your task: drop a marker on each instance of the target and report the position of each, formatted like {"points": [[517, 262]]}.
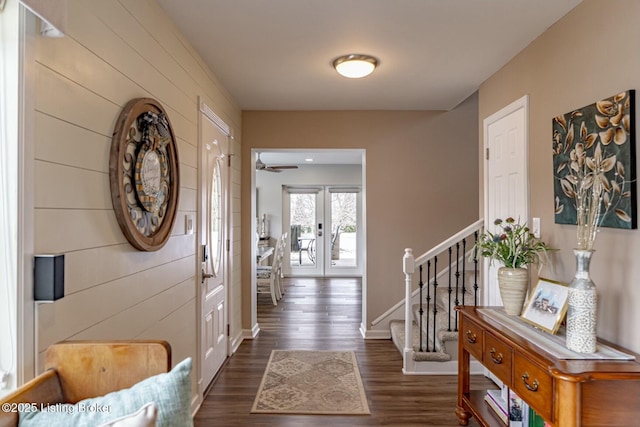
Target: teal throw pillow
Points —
{"points": [[171, 392]]}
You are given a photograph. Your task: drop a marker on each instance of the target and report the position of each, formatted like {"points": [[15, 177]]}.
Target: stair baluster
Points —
{"points": [[420, 310], [428, 303], [435, 305], [457, 301], [475, 270], [464, 276], [450, 289]]}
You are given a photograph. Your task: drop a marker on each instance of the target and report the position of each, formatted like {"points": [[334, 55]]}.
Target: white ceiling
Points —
{"points": [[320, 157], [277, 54]]}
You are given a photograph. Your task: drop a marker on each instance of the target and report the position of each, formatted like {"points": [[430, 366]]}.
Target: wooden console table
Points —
{"points": [[566, 393]]}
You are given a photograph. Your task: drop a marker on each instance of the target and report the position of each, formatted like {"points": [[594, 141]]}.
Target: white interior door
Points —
{"points": [[213, 255], [506, 177]]}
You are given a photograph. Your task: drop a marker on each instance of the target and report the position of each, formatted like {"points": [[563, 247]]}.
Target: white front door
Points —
{"points": [[213, 255], [506, 177]]}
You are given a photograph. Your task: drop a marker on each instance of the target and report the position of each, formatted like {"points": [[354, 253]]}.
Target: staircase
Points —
{"points": [[446, 276]]}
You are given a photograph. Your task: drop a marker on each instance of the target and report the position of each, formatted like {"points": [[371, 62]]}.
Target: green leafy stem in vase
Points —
{"points": [[513, 245]]}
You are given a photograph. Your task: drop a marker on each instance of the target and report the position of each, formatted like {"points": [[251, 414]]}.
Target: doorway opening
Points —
{"points": [[320, 204]]}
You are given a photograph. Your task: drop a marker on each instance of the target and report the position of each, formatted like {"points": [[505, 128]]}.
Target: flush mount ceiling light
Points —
{"points": [[355, 66]]}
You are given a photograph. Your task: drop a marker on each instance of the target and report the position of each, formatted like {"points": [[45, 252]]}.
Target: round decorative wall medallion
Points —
{"points": [[144, 175]]}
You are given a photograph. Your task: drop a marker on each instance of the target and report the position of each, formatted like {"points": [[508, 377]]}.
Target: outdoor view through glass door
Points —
{"points": [[323, 224], [344, 229], [303, 236]]}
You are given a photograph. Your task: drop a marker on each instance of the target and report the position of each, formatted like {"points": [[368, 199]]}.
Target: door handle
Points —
{"points": [[206, 275]]}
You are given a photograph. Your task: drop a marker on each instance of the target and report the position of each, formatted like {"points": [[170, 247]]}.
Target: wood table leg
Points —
{"points": [[463, 416], [464, 384]]}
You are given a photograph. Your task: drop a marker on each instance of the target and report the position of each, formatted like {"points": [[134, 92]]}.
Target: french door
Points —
{"points": [[324, 235]]}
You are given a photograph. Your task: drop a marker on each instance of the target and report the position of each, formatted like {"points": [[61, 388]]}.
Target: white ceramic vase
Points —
{"points": [[513, 284]]}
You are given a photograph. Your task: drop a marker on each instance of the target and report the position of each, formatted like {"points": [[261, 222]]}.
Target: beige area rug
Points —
{"points": [[311, 382]]}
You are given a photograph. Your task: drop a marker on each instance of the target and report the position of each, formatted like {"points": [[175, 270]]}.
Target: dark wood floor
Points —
{"points": [[324, 314]]}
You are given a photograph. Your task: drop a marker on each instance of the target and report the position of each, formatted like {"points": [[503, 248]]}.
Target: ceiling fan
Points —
{"points": [[261, 166]]}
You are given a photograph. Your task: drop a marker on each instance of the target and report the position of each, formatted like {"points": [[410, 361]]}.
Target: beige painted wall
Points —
{"points": [[592, 53], [115, 51], [421, 180]]}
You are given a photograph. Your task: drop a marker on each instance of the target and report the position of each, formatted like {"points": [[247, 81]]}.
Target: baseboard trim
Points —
{"points": [[196, 402], [250, 334], [234, 343], [377, 335], [441, 368]]}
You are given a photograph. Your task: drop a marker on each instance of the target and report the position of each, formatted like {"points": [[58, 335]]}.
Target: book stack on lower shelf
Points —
{"points": [[512, 410], [496, 401]]}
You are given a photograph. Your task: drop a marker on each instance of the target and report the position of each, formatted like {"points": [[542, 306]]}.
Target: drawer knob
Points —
{"points": [[471, 337], [497, 358], [531, 387]]}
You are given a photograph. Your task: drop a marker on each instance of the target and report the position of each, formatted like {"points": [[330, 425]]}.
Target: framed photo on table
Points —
{"points": [[547, 305]]}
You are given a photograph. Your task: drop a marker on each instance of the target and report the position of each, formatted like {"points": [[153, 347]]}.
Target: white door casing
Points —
{"points": [[253, 331], [212, 253], [506, 177]]}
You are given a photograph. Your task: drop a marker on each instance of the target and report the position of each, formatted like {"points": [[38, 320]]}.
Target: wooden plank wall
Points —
{"points": [[115, 51]]}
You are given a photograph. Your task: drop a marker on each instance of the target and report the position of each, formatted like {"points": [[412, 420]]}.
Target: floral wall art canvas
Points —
{"points": [[594, 148]]}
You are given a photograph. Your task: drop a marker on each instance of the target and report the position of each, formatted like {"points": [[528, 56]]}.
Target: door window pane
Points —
{"points": [[343, 229], [215, 215], [303, 229]]}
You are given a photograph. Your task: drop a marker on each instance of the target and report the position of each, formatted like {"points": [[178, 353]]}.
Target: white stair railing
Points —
{"points": [[411, 264]]}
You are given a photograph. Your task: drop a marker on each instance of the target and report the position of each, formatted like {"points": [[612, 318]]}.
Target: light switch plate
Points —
{"points": [[535, 227], [188, 224]]}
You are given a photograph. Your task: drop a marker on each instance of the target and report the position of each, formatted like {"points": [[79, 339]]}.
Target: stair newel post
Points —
{"points": [[450, 289], [435, 305], [475, 271], [421, 311], [408, 267]]}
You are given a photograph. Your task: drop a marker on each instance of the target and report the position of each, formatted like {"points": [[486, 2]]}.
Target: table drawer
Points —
{"points": [[498, 357], [533, 384], [472, 338]]}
